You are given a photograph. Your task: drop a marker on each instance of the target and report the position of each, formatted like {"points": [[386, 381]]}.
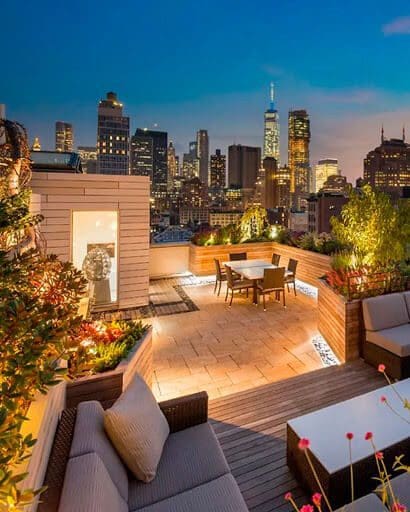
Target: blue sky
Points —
{"points": [[187, 65]]}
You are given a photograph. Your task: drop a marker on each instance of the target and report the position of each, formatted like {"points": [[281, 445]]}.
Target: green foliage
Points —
{"points": [[253, 223], [373, 228], [107, 357], [39, 297]]}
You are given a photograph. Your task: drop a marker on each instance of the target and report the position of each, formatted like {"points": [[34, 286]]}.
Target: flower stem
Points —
{"points": [[318, 481], [351, 473]]}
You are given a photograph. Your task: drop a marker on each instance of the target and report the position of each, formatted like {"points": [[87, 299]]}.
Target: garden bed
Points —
{"points": [[109, 385]]}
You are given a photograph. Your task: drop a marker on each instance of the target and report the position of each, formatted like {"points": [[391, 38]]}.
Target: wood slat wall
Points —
{"points": [[63, 193], [340, 323], [311, 266]]}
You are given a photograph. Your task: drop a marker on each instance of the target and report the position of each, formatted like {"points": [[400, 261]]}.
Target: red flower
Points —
{"points": [[349, 436], [288, 496], [381, 368], [304, 443], [379, 455], [398, 507], [368, 436], [383, 399], [306, 508], [317, 499]]}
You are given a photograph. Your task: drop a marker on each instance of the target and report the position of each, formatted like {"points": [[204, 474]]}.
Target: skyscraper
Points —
{"points": [[243, 166], [173, 165], [298, 151], [64, 136], [270, 167], [271, 146], [36, 146], [202, 151], [149, 150], [217, 170], [190, 162], [324, 169], [113, 135], [387, 167]]}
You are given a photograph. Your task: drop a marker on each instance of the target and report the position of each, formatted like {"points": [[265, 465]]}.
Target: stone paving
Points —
{"points": [[223, 351]]}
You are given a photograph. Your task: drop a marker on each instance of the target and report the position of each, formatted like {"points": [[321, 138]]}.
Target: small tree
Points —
{"points": [[371, 226], [39, 298], [253, 223]]}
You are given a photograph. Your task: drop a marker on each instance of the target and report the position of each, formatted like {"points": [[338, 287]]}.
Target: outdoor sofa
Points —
{"points": [[86, 474], [387, 323]]}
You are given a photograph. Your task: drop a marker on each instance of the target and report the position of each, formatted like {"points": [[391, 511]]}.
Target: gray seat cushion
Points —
{"points": [[88, 487], [385, 311], [89, 436], [395, 340], [401, 488], [369, 503], [220, 495], [190, 458]]}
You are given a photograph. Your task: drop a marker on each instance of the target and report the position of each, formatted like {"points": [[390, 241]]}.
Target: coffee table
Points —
{"points": [[326, 429]]}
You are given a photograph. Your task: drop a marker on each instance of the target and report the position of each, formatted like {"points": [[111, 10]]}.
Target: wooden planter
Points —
{"points": [[340, 322], [311, 265], [109, 385]]}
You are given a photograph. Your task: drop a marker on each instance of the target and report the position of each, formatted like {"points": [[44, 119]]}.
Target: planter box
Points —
{"points": [[311, 266], [43, 413], [109, 385], [340, 322]]}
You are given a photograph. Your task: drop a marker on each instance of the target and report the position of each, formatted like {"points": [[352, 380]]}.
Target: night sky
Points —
{"points": [[186, 65]]}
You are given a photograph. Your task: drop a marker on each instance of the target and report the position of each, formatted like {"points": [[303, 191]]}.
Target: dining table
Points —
{"points": [[252, 270]]}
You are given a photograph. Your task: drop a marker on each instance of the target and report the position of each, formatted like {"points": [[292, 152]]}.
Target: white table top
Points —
{"points": [[326, 429], [238, 264], [251, 269]]}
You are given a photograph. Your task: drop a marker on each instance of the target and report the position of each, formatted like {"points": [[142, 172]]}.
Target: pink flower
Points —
{"points": [[368, 436], [349, 436], [383, 399], [379, 455], [304, 443], [398, 507], [381, 368], [288, 496], [307, 508], [317, 499]]}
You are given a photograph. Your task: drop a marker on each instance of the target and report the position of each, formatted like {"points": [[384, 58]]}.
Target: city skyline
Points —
{"points": [[340, 85]]}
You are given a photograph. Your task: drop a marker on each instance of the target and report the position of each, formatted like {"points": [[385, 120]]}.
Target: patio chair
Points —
{"points": [[235, 285], [236, 256], [273, 281], [290, 277], [220, 275], [275, 259]]}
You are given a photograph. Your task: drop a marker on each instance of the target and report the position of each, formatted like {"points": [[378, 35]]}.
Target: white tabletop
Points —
{"points": [[238, 264], [251, 269], [326, 429]]}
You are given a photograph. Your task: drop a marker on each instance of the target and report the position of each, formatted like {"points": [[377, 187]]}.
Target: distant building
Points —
{"points": [[243, 166], [298, 153], [113, 133], [278, 216], [336, 184], [193, 194], [64, 136], [270, 167], [88, 155], [218, 170], [387, 167], [194, 215], [224, 218], [190, 162], [36, 146], [323, 169], [173, 234], [173, 164], [55, 161], [271, 145], [321, 208], [298, 220], [202, 151]]}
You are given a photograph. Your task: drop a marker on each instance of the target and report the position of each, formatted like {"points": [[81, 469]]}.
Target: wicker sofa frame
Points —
{"points": [[396, 367], [181, 413]]}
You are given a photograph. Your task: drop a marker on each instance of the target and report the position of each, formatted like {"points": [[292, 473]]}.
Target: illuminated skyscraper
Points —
{"points": [[218, 170], [113, 135], [387, 167], [202, 149], [64, 136], [243, 166], [271, 129], [173, 165], [324, 169], [36, 145], [298, 151]]}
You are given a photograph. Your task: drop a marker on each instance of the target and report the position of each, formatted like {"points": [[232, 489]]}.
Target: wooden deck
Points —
{"points": [[251, 427]]}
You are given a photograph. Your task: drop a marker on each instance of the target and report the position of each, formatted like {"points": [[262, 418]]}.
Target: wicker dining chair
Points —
{"points": [[275, 259], [220, 276], [273, 281], [291, 274], [236, 256], [235, 284]]}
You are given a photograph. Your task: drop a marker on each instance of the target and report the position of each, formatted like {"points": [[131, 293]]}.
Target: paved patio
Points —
{"points": [[222, 350]]}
